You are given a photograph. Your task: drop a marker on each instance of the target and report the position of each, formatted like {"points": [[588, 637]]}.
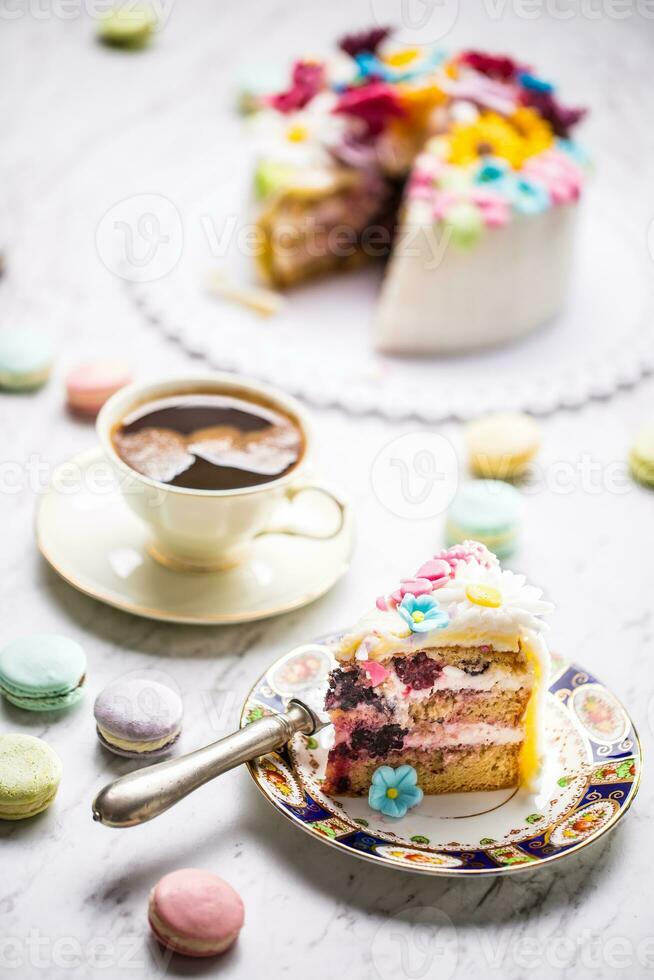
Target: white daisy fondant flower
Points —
{"points": [[301, 138], [479, 596]]}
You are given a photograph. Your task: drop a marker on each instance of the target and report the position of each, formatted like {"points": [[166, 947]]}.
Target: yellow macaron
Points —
{"points": [[502, 445]]}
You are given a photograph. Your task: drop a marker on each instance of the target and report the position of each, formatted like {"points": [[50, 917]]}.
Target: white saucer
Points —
{"points": [[88, 534]]}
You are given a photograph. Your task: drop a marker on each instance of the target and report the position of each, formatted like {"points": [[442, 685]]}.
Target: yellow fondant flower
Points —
{"points": [[514, 139], [535, 131]]}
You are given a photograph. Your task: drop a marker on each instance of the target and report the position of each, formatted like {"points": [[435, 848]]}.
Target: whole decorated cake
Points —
{"points": [[460, 169], [445, 679]]}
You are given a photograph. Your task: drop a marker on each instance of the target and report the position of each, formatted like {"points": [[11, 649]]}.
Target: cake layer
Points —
{"points": [[497, 707], [488, 767], [311, 230]]}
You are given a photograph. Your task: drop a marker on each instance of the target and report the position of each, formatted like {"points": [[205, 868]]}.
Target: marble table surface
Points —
{"points": [[84, 127]]}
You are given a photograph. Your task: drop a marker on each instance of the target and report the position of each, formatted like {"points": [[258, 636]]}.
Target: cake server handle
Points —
{"points": [[144, 794]]}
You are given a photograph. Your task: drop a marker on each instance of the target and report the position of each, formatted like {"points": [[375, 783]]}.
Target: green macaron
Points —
{"points": [[42, 672], [127, 26], [487, 511], [26, 357], [30, 773], [641, 456]]}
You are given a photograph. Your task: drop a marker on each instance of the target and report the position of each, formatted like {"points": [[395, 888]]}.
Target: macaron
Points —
{"points": [[138, 717], [26, 357], [42, 672], [641, 456], [195, 913], [90, 384], [488, 511], [502, 445], [127, 26], [30, 773]]}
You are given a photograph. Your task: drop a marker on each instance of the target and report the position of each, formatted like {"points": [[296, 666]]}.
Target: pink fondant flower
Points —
{"points": [[308, 79], [375, 103], [466, 552], [411, 586], [493, 206], [560, 175], [436, 570]]}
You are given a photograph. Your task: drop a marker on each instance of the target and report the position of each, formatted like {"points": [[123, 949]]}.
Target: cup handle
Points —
{"points": [[292, 493]]}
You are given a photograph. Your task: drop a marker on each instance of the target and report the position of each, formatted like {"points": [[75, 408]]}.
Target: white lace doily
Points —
{"points": [[318, 347]]}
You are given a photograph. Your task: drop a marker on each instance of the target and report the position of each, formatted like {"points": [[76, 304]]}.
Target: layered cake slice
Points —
{"points": [[448, 675], [460, 166]]}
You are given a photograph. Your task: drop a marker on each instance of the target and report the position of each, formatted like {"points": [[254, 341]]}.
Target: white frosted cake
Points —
{"points": [[461, 169]]}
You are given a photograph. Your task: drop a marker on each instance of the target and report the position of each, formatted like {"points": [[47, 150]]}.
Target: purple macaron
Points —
{"points": [[138, 717]]}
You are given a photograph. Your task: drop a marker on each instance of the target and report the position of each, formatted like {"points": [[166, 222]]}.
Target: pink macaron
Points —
{"points": [[89, 385], [195, 912]]}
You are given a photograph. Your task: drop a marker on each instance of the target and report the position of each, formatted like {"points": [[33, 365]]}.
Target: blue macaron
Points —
{"points": [[42, 672], [488, 511], [26, 357]]}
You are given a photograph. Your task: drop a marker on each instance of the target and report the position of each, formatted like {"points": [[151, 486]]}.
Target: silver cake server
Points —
{"points": [[144, 794]]}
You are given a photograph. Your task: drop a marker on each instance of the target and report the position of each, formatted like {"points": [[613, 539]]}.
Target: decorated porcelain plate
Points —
{"points": [[591, 777]]}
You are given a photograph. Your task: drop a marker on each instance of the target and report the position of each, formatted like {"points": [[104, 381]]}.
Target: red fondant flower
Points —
{"points": [[354, 44], [308, 79], [375, 103], [495, 66]]}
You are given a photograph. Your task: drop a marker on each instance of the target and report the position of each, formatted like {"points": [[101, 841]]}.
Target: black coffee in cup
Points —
{"points": [[209, 441]]}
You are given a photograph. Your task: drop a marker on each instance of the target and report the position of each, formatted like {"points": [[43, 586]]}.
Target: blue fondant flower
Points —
{"points": [[534, 84], [574, 151], [422, 614], [528, 196], [491, 171], [394, 791], [372, 66]]}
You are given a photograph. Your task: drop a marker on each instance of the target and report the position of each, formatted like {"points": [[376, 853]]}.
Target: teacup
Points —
{"points": [[205, 530]]}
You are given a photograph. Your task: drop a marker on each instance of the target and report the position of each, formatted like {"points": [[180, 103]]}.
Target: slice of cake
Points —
{"points": [[448, 675], [477, 148]]}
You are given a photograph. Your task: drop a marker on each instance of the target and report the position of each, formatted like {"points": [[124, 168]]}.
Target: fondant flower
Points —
{"points": [[558, 173], [513, 139], [411, 586], [304, 138], [375, 103], [394, 791], [307, 79], [354, 44], [495, 66], [401, 65], [436, 570], [422, 613], [466, 552], [561, 118], [534, 84], [476, 593], [528, 196]]}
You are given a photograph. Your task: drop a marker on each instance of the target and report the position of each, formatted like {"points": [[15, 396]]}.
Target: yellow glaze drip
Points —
{"points": [[529, 754]]}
